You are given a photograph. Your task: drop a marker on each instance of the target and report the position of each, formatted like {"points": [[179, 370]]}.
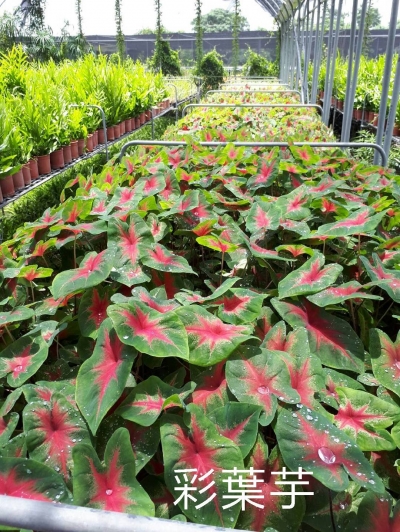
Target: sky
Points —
{"points": [[98, 15]]}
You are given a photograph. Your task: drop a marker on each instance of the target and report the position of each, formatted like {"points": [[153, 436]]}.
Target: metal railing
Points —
{"points": [[50, 517], [255, 105], [255, 91], [174, 143]]}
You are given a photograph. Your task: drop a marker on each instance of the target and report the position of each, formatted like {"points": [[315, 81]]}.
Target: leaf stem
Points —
{"points": [[382, 317], [33, 293], [331, 511], [75, 252], [353, 316], [9, 334], [222, 267]]}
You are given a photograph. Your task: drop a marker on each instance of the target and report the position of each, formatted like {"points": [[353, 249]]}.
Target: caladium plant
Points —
{"points": [[204, 311]]}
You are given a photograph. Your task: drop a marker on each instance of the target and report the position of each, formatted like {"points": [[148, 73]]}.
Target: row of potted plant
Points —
{"points": [[47, 114], [368, 91]]}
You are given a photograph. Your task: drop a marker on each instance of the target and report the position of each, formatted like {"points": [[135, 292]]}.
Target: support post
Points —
{"points": [[387, 73], [348, 106], [329, 59], [393, 111], [354, 79]]}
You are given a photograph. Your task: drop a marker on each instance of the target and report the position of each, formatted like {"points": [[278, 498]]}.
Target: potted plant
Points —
{"points": [[40, 127], [78, 131]]}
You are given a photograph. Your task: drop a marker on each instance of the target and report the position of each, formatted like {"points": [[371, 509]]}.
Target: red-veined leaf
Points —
{"points": [[29, 479], [149, 398], [21, 359], [310, 278], [363, 220], [259, 377], [239, 423], [94, 269], [52, 429], [272, 513], [112, 486], [385, 359], [129, 241], [210, 340], [199, 446], [93, 310], [364, 417], [161, 259], [331, 339], [150, 331], [339, 294], [307, 439], [102, 378]]}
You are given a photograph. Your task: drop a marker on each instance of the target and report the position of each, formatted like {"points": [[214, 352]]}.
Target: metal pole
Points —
{"points": [[329, 59], [319, 44], [393, 111], [348, 105], [174, 143], [308, 58], [255, 91], [298, 56], [50, 517], [352, 92], [253, 105], [387, 72], [334, 56]]}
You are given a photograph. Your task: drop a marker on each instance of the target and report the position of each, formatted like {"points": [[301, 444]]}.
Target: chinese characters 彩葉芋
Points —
{"points": [[242, 487]]}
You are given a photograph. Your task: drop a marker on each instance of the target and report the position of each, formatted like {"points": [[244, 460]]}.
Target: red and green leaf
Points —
{"points": [[128, 242], [272, 513], [385, 359], [240, 305], [22, 359], [307, 439], [263, 217], [94, 269], [310, 278], [376, 513], [239, 423], [161, 259], [339, 294], [259, 377], [149, 398], [29, 479], [210, 340], [211, 388], [363, 220], [93, 310], [102, 378], [52, 429], [198, 445], [149, 331], [306, 374], [112, 486], [365, 417], [331, 339]]}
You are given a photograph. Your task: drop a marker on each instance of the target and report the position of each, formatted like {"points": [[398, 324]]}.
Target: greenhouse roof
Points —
{"points": [[280, 9]]}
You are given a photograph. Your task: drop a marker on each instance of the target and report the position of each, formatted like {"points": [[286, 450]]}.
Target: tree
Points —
{"points": [[120, 35], [373, 17], [199, 33], [78, 7], [235, 36], [221, 20]]}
